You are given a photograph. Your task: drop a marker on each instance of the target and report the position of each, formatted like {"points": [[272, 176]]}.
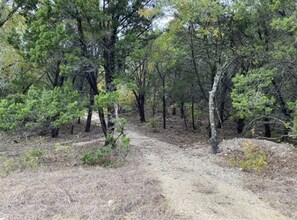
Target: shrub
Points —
{"points": [[101, 157], [108, 155], [253, 159], [38, 110]]}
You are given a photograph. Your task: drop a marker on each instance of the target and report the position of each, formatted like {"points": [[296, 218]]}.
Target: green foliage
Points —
{"points": [[254, 159], [32, 158], [248, 95], [108, 156], [101, 157], [153, 123], [38, 109], [106, 100]]}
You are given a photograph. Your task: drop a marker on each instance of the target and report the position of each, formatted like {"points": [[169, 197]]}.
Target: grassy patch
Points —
{"points": [[30, 160]]}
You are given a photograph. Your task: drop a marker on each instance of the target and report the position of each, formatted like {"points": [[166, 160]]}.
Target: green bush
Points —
{"points": [[40, 109], [101, 157], [254, 159], [31, 159], [108, 155]]}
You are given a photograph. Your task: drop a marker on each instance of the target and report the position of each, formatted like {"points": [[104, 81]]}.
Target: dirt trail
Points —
{"points": [[196, 187]]}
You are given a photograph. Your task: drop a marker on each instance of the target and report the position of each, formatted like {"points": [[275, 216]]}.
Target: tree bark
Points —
{"points": [[267, 132], [54, 132], [193, 113], [140, 99], [164, 103], [90, 112], [240, 125], [212, 94], [174, 110], [182, 110], [141, 108]]}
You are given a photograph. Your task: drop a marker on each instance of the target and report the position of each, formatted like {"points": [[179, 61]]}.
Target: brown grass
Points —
{"points": [[82, 193]]}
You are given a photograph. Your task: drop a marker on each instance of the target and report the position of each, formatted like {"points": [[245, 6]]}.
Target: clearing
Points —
{"points": [[159, 181]]}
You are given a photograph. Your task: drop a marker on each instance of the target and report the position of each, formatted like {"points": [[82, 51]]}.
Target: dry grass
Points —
{"points": [[277, 184], [82, 193], [63, 189]]}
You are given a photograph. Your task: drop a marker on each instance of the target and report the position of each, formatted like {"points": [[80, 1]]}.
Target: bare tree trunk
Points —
{"points": [[164, 105], [140, 99], [267, 132], [193, 114], [213, 138], [55, 132], [212, 94], [90, 111], [174, 110], [240, 126], [182, 110]]}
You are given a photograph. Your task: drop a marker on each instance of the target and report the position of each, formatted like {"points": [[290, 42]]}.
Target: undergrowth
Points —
{"points": [[108, 156], [30, 160], [252, 159]]}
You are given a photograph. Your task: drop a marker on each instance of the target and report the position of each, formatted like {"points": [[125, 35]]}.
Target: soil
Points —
{"points": [[168, 175]]}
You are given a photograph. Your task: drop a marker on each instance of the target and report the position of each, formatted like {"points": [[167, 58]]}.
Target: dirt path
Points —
{"points": [[195, 186]]}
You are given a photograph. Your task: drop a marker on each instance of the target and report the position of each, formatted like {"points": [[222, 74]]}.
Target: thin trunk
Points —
{"points": [[283, 107], [55, 132], [174, 110], [240, 125], [212, 94], [90, 112], [154, 102], [141, 107], [193, 113], [102, 121], [109, 68], [164, 103], [72, 129], [267, 132], [214, 141], [182, 110], [140, 99], [191, 29]]}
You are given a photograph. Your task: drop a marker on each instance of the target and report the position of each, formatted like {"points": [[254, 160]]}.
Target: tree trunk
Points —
{"points": [[267, 132], [221, 114], [174, 110], [213, 138], [141, 107], [193, 113], [109, 68], [182, 110], [164, 103], [212, 94], [90, 111], [102, 121], [140, 99], [240, 125], [54, 132], [72, 129]]}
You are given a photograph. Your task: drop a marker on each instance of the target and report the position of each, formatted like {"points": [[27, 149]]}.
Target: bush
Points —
{"points": [[101, 157], [108, 155], [254, 159], [38, 110]]}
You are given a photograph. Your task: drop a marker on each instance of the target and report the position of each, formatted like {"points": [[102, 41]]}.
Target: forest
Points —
{"points": [[98, 74]]}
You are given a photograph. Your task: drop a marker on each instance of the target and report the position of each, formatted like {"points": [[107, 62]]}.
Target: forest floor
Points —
{"points": [[168, 175]]}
